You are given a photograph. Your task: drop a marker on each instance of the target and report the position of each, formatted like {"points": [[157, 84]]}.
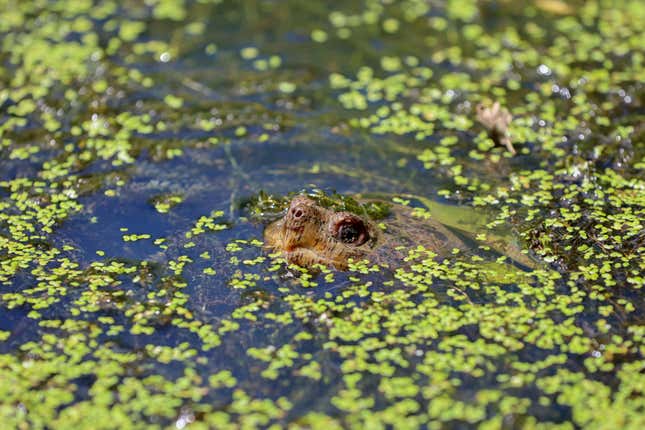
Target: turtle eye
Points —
{"points": [[350, 230], [348, 233]]}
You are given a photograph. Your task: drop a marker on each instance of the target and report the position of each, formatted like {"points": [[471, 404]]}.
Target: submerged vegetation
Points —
{"points": [[134, 288]]}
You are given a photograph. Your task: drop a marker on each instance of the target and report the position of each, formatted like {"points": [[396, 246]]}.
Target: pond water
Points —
{"points": [[139, 142]]}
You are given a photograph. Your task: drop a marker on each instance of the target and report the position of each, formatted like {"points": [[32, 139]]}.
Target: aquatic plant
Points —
{"points": [[134, 289]]}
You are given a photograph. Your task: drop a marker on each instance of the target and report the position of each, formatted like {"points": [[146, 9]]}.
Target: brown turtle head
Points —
{"points": [[310, 234]]}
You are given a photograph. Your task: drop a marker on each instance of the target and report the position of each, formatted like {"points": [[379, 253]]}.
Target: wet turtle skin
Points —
{"points": [[310, 234]]}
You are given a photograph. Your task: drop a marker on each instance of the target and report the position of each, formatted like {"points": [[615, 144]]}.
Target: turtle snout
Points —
{"points": [[297, 215]]}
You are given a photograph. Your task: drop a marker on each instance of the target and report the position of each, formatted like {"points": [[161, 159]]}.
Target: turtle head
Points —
{"points": [[309, 234]]}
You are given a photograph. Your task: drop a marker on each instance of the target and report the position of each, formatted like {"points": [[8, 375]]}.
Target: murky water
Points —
{"points": [[134, 280]]}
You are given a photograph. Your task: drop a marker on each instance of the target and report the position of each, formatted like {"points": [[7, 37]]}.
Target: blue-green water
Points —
{"points": [[136, 138]]}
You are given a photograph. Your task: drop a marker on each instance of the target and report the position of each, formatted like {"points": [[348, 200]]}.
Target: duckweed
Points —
{"points": [[135, 141]]}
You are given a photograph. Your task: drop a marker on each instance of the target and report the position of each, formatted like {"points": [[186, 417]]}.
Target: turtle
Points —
{"points": [[310, 233]]}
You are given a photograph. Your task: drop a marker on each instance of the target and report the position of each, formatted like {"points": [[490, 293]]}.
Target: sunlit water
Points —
{"points": [[267, 139]]}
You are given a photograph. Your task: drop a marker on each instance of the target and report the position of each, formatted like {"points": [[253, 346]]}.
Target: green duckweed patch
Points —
{"points": [[135, 291]]}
